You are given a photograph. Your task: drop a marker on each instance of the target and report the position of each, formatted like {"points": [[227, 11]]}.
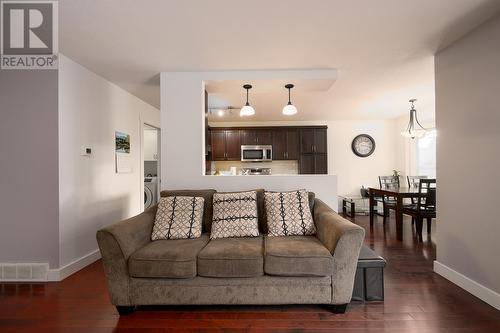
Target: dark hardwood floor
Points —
{"points": [[417, 300]]}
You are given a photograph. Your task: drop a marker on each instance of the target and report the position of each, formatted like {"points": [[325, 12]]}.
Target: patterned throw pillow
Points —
{"points": [[235, 215], [288, 213], [178, 217]]}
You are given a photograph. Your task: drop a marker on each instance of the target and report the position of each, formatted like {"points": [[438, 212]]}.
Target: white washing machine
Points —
{"points": [[150, 191]]}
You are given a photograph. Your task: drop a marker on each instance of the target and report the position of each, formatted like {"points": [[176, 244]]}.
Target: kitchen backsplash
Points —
{"points": [[277, 167]]}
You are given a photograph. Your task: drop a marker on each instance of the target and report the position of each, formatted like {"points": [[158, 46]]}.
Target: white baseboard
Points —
{"points": [[60, 274], [489, 296]]}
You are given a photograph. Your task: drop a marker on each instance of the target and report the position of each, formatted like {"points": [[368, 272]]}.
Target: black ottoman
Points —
{"points": [[369, 279]]}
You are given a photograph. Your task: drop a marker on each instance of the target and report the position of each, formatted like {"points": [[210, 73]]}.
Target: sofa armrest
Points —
{"points": [[116, 243], [344, 240]]}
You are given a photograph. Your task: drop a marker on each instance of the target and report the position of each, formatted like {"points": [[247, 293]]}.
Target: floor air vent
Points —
{"points": [[24, 272]]}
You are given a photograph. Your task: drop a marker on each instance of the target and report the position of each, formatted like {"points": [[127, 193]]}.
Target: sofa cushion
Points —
{"points": [[235, 215], [173, 258], [289, 213], [232, 257], [263, 226], [297, 256], [205, 194], [178, 217]]}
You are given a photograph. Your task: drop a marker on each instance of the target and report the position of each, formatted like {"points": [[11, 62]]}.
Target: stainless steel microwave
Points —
{"points": [[256, 153]]}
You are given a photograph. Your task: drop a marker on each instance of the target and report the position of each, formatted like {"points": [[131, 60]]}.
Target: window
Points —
{"points": [[426, 155]]}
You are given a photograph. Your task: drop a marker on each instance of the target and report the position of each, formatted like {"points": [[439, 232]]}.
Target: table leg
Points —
{"points": [[372, 208], [399, 218], [353, 209], [344, 204]]}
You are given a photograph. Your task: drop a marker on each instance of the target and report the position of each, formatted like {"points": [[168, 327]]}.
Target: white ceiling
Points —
{"points": [[267, 97], [383, 49]]}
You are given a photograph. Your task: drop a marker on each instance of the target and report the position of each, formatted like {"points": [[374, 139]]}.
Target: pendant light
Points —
{"points": [[414, 128], [247, 109], [289, 109]]}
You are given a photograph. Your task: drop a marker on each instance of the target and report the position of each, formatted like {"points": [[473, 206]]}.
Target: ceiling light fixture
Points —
{"points": [[289, 109], [247, 110], [414, 128]]}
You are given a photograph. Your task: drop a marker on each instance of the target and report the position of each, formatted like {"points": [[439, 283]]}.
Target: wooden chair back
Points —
{"points": [[387, 182], [427, 194], [413, 182]]}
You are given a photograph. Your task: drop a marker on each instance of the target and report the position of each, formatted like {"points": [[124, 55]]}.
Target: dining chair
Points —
{"points": [[413, 182], [388, 203], [425, 206]]}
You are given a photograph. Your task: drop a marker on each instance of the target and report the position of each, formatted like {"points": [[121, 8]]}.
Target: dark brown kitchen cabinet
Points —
{"points": [[218, 139], [305, 144], [306, 164], [321, 163], [307, 141], [225, 145], [233, 145], [313, 164], [320, 141], [313, 151], [256, 137], [313, 140], [248, 137], [285, 144]]}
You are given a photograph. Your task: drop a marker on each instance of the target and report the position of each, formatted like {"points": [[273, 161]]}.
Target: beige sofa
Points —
{"points": [[316, 269]]}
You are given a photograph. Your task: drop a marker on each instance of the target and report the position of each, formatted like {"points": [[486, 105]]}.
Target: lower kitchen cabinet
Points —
{"points": [[310, 164]]}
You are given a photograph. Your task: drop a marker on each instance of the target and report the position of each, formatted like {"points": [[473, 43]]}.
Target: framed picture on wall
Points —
{"points": [[122, 142], [122, 153]]}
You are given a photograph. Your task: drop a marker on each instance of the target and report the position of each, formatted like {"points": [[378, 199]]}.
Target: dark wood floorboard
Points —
{"points": [[417, 300]]}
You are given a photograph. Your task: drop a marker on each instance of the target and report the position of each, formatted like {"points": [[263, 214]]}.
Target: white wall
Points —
{"points": [[28, 167], [182, 123], [468, 161], [91, 194], [354, 171]]}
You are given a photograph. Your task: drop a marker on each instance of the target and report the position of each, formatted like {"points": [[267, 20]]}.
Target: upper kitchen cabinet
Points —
{"points": [[233, 145], [313, 140], [285, 144], [313, 151], [226, 145], [256, 136], [218, 140]]}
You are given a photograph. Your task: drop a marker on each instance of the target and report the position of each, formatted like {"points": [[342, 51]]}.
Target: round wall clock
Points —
{"points": [[363, 145]]}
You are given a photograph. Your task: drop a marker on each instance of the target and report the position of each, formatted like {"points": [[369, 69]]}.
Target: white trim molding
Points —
{"points": [[487, 295], [61, 273]]}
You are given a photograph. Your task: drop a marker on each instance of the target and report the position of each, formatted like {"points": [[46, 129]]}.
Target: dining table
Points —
{"points": [[399, 194]]}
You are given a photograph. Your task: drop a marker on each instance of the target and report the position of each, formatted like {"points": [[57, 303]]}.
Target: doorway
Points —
{"points": [[151, 165]]}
